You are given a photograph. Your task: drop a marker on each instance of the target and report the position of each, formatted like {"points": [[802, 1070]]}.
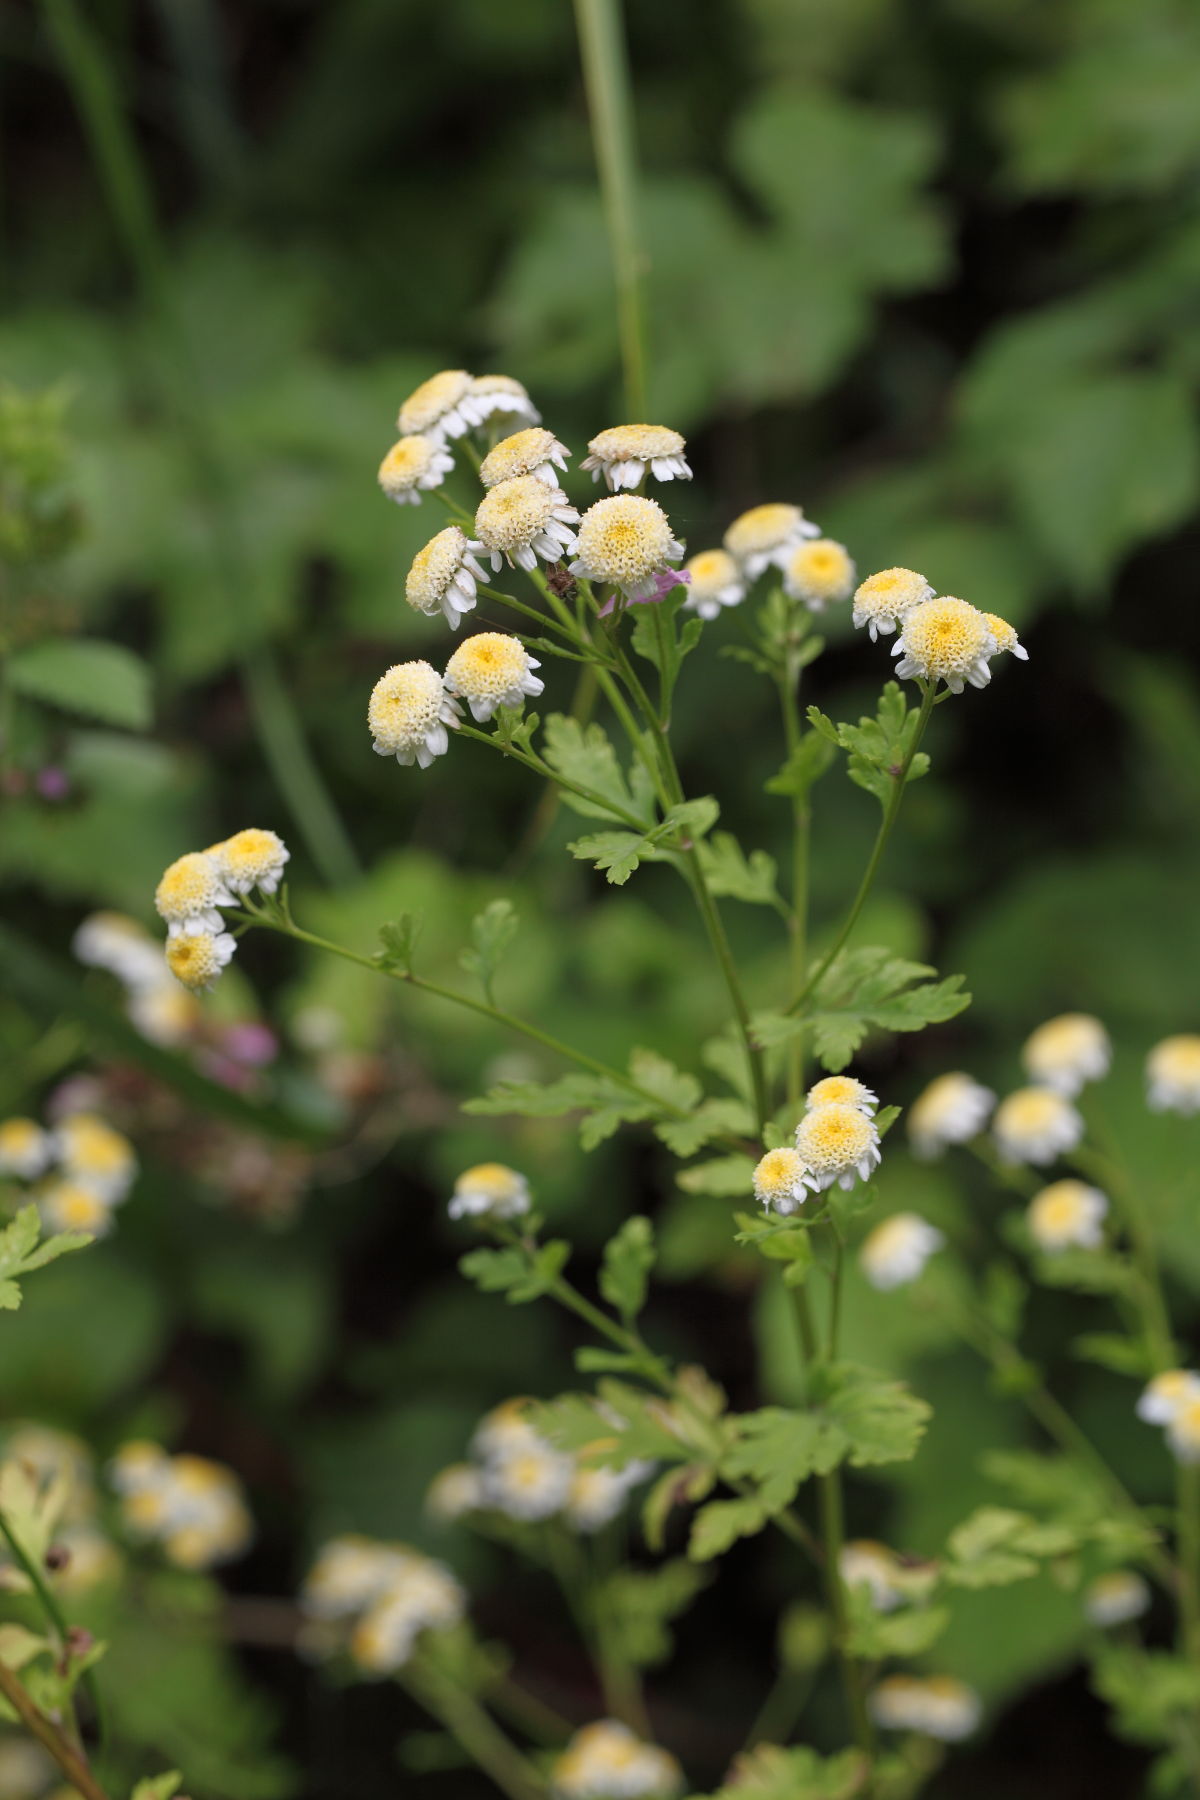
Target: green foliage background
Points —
{"points": [[931, 271]]}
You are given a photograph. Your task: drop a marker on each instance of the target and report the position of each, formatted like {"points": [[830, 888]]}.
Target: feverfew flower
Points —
{"points": [[1173, 1075], [491, 670], [443, 576], [1035, 1125], [190, 892], [1006, 638], [937, 1706], [455, 1492], [864, 1563], [1162, 1397], [818, 572], [112, 941], [781, 1181], [596, 1494], [606, 1761], [442, 407], [767, 534], [408, 714], [519, 520], [412, 467], [492, 1190], [502, 402], [839, 1144], [896, 1252], [1066, 1052], [25, 1149], [884, 600], [534, 451], [424, 1596], [842, 1090], [716, 582], [1067, 1214], [945, 640], [253, 858], [505, 1430], [1115, 1598], [350, 1574], [624, 454], [626, 542], [529, 1483], [951, 1110], [196, 958], [192, 1506], [73, 1206], [163, 1013], [1183, 1429], [92, 1152]]}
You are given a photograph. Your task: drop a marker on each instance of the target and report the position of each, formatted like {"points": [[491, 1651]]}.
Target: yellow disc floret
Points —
{"points": [[443, 576], [625, 541], [252, 858], [414, 464], [74, 1206], [716, 581], [408, 713], [1006, 637], [1068, 1051], [624, 454], [946, 640], [1173, 1074], [1035, 1125], [819, 572], [190, 892], [767, 534], [519, 520], [93, 1152], [490, 1188], [884, 599], [534, 451], [434, 406], [491, 670], [842, 1090], [780, 1180], [196, 958], [24, 1148], [1067, 1213], [839, 1143]]}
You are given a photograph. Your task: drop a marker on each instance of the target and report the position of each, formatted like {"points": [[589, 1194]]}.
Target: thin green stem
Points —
{"points": [[606, 79], [792, 732], [475, 1730], [534, 1716], [1109, 1171], [48, 1735], [53, 1611], [890, 814], [1187, 1496], [835, 1292]]}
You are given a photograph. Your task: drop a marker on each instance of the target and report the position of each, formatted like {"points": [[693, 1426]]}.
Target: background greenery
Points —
{"points": [[931, 271]]}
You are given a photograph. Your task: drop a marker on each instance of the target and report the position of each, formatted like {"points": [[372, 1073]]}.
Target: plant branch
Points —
{"points": [[48, 1735]]}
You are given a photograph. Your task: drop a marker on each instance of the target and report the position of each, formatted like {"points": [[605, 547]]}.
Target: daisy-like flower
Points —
{"points": [[767, 534], [413, 466], [951, 1110], [625, 453], [596, 1495], [606, 1761], [196, 958], [885, 599], [190, 893], [818, 572], [455, 1492], [896, 1252], [424, 1596], [91, 1151], [519, 520], [490, 1190], [1183, 1430], [505, 1430], [839, 1144], [937, 1706], [945, 640], [781, 1181], [1162, 1397], [442, 407], [502, 402], [1067, 1214], [350, 1574], [1006, 637], [1115, 1598], [842, 1090], [112, 941], [192, 1506], [529, 1483], [25, 1149], [1066, 1052], [1173, 1075], [68, 1205], [1034, 1125], [492, 669], [864, 1563], [253, 858], [138, 1466], [534, 451], [716, 582], [164, 1013], [408, 714], [626, 542], [443, 576]]}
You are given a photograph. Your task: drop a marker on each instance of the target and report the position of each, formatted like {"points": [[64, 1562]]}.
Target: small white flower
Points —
{"points": [[625, 454], [190, 893], [625, 542], [945, 640], [454, 1492], [443, 576], [596, 1495], [112, 941], [1007, 641], [1115, 1598], [253, 858], [502, 403], [864, 1563], [530, 1483], [409, 713], [716, 582], [818, 573], [781, 1181], [25, 1149], [505, 1430], [533, 451], [896, 1251], [443, 407], [937, 1706], [767, 535], [1173, 1075], [412, 467], [196, 958], [1067, 1214], [606, 1761], [92, 1152], [491, 670], [1067, 1052], [424, 1596], [952, 1110], [884, 600], [842, 1090], [490, 1190], [1183, 1430], [839, 1144], [1034, 1125], [67, 1205], [164, 1013], [1162, 1398], [350, 1573], [519, 520]]}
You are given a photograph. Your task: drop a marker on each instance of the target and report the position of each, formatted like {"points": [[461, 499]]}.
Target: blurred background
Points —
{"points": [[932, 272]]}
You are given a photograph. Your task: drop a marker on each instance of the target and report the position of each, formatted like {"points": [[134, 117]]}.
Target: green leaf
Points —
{"points": [[1125, 1356], [521, 1275], [1153, 1694], [617, 853], [769, 1772], [661, 1078], [730, 873], [625, 1269], [811, 758], [492, 931], [882, 1420], [719, 1525], [877, 747], [21, 1254], [85, 675], [619, 1425], [641, 1603], [398, 940], [19, 1646], [874, 1635], [779, 1448], [996, 1546], [604, 1103], [865, 989], [717, 1117], [583, 754]]}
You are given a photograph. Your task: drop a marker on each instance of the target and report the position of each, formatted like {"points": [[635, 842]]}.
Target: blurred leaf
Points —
{"points": [[492, 931], [21, 1254], [641, 1603], [85, 675], [769, 1772], [729, 871], [719, 1525], [625, 1270]]}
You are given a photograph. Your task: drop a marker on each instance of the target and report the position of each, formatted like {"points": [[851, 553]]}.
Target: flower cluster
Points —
{"points": [[443, 408], [1037, 1123], [155, 1003], [413, 708], [80, 1169], [937, 1706], [193, 1507], [84, 1558], [195, 888], [835, 1142], [1172, 1400], [382, 1597], [607, 1761], [941, 638], [516, 1472]]}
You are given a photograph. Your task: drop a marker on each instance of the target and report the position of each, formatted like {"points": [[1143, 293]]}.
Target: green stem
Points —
{"points": [[48, 1735], [1108, 1170], [606, 78], [53, 1611], [792, 731], [475, 1730], [1187, 1493], [129, 197], [890, 814], [529, 1711]]}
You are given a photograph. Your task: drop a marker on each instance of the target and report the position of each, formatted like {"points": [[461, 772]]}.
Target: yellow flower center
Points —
{"points": [[636, 443], [946, 637], [434, 398], [891, 593], [514, 512], [517, 455], [1059, 1209], [405, 462], [711, 570], [624, 538], [1031, 1109], [488, 666], [188, 887], [192, 959], [405, 704], [1001, 630], [834, 1137], [1177, 1059], [763, 528]]}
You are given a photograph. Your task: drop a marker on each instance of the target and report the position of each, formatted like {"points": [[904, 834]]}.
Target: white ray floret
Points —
{"points": [[534, 451], [842, 1090], [520, 520], [781, 1181], [1067, 1052], [490, 1190], [767, 535], [443, 576], [190, 894], [502, 402], [839, 1144], [896, 1252], [443, 407], [492, 669], [1034, 1125], [716, 583], [1067, 1215], [412, 467], [410, 714], [953, 1109], [885, 599], [252, 858], [945, 640], [625, 454]]}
